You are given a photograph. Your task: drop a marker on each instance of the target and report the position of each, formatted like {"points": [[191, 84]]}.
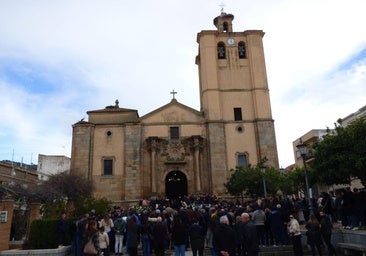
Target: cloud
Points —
{"points": [[59, 59]]}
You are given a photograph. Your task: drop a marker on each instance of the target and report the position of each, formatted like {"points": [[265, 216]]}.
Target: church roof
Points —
{"points": [[112, 108], [171, 104], [113, 115]]}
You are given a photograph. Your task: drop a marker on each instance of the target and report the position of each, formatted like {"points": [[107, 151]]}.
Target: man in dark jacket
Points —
{"points": [[326, 232], [160, 236], [250, 241], [224, 238], [61, 229], [197, 238]]}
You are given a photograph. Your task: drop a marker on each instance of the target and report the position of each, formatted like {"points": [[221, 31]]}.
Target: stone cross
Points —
{"points": [[174, 93]]}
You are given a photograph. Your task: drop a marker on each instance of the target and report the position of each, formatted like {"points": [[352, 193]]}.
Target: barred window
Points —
{"points": [[174, 132], [242, 160], [108, 167], [242, 51], [221, 51]]}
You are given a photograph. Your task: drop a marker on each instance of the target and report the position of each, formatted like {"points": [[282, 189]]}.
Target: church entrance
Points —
{"points": [[175, 185]]}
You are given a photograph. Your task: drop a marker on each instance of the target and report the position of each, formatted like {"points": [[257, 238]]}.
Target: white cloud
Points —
{"points": [[93, 52]]}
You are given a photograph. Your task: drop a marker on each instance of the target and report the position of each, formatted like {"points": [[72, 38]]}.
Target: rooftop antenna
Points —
{"points": [[222, 5], [13, 173]]}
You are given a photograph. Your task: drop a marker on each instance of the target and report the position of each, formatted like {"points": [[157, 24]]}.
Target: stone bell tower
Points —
{"points": [[234, 97]]}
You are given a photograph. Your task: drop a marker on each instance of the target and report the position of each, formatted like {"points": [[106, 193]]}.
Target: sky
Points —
{"points": [[60, 59]]}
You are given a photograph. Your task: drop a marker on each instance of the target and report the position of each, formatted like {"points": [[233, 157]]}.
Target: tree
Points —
{"points": [[244, 181], [294, 181], [341, 154], [63, 185], [61, 189], [249, 181], [236, 183]]}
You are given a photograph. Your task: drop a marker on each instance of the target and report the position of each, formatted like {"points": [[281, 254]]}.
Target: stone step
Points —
{"points": [[285, 250]]}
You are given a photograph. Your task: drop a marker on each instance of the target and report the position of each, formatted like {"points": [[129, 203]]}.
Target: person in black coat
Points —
{"points": [[61, 229], [178, 236], [238, 228], [326, 232], [313, 235], [250, 241], [197, 238], [160, 236], [224, 238]]}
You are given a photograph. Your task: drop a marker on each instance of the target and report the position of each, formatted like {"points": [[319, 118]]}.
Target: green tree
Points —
{"points": [[235, 185], [294, 181], [273, 180], [341, 154], [249, 181]]}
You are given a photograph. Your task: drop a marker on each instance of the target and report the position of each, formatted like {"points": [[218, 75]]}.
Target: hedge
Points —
{"points": [[44, 235]]}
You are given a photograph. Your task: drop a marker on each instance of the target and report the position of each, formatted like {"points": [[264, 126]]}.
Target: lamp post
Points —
{"points": [[263, 170], [303, 150]]}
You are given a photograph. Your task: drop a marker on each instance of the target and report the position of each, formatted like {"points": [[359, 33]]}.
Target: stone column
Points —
{"points": [[197, 144], [153, 147], [153, 171], [7, 207], [197, 167]]}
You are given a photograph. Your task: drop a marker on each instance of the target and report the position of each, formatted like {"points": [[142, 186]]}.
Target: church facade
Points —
{"points": [[176, 150]]}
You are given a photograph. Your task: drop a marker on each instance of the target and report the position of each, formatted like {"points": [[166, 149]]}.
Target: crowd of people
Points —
{"points": [[223, 227]]}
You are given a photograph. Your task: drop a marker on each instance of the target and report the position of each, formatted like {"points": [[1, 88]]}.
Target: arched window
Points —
{"points": [[226, 27], [221, 51], [242, 51]]}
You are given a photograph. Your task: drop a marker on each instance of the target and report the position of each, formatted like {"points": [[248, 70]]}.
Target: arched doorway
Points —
{"points": [[175, 184]]}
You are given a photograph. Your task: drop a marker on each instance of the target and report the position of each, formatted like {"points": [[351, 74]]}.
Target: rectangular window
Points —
{"points": [[174, 133], [242, 160], [237, 114], [107, 167]]}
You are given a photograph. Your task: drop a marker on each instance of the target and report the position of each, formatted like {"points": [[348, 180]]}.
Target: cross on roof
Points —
{"points": [[174, 93]]}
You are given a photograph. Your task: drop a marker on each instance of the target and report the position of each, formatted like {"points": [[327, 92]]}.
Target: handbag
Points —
{"points": [[89, 248]]}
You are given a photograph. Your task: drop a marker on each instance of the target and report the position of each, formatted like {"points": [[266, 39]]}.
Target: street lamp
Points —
{"points": [[302, 149], [263, 170]]}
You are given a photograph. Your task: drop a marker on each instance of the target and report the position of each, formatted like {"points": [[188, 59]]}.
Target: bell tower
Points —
{"points": [[234, 97]]}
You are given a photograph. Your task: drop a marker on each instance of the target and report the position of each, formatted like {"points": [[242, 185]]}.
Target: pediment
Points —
{"points": [[173, 112]]}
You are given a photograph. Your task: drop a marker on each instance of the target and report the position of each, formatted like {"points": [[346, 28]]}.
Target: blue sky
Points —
{"points": [[59, 59]]}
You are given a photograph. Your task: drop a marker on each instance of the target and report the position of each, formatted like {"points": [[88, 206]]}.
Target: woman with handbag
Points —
{"points": [[91, 241]]}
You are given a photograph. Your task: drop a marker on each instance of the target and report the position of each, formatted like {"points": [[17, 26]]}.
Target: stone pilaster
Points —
{"points": [[82, 148], [133, 151], [217, 157], [266, 140]]}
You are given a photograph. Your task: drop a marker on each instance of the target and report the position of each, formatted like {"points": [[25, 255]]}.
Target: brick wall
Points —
{"points": [[7, 204], [34, 214]]}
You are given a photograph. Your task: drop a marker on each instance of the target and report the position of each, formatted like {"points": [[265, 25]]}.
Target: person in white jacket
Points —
{"points": [[103, 241], [293, 228]]}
